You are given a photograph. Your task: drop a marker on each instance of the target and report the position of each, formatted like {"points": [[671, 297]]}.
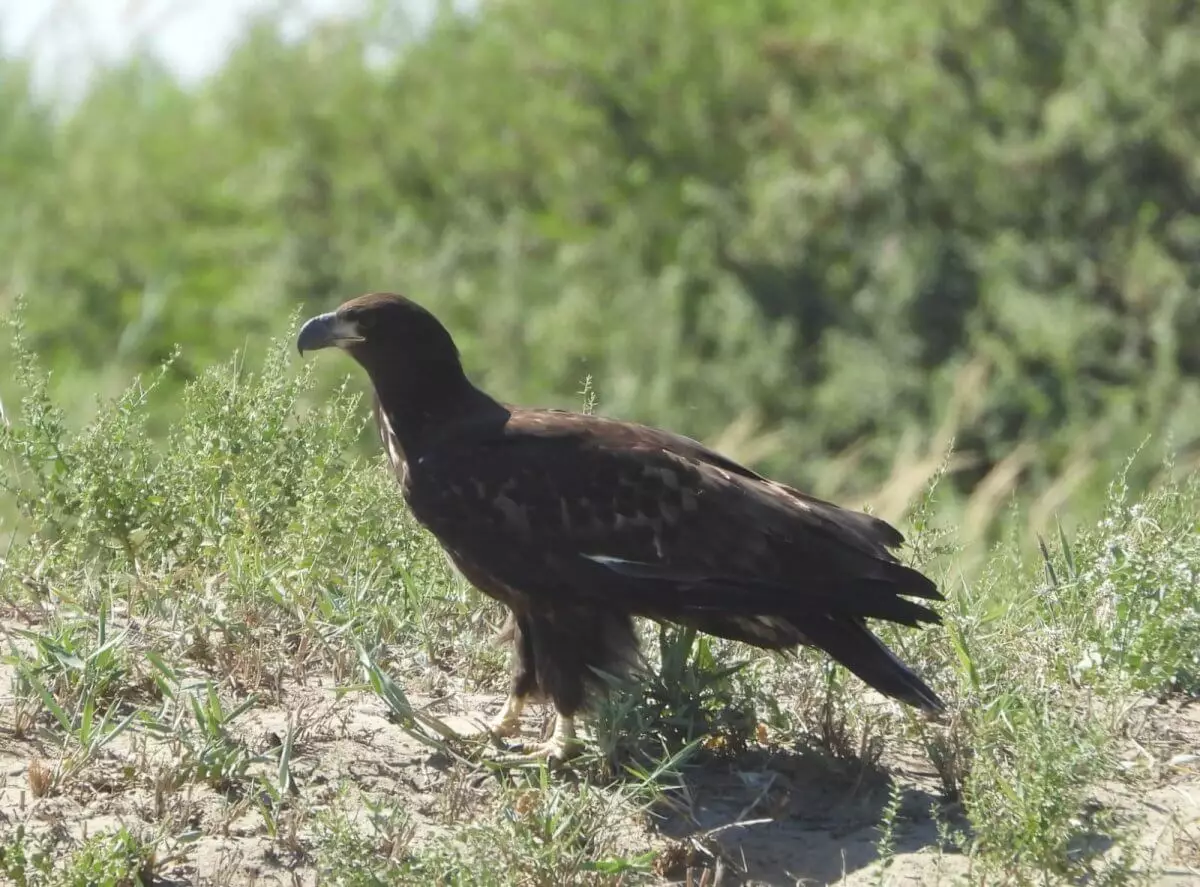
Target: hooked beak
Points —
{"points": [[326, 331]]}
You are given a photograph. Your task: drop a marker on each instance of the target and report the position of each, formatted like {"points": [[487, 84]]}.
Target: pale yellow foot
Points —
{"points": [[560, 748], [508, 721], [505, 724]]}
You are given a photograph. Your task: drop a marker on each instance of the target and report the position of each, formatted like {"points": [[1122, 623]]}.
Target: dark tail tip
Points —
{"points": [[852, 644], [921, 696]]}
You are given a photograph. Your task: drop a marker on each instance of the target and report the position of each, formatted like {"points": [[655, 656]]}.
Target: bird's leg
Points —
{"points": [[563, 743], [508, 721], [561, 747], [505, 724], [524, 681]]}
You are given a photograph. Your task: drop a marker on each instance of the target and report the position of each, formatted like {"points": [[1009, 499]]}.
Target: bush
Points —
{"points": [[811, 233]]}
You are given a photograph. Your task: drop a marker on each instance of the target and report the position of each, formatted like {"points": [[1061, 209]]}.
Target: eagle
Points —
{"points": [[577, 523]]}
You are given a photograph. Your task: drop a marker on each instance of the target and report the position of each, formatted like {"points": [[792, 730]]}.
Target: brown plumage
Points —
{"points": [[577, 523]]}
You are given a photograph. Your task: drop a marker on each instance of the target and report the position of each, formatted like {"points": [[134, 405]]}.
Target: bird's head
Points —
{"points": [[385, 333]]}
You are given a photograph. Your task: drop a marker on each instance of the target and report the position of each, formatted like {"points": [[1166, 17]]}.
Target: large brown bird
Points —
{"points": [[577, 523]]}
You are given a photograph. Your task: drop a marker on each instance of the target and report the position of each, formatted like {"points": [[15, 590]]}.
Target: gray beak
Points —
{"points": [[326, 331]]}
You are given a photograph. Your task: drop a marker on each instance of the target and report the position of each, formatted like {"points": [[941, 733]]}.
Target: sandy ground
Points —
{"points": [[770, 819]]}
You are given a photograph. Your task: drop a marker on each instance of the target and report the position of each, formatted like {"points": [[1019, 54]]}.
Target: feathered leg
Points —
{"points": [[559, 672], [507, 723]]}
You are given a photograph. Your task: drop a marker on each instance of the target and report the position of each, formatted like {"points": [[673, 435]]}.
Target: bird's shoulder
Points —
{"points": [[566, 449], [555, 473]]}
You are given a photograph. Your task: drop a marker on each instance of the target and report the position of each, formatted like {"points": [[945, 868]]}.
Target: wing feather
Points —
{"points": [[555, 506]]}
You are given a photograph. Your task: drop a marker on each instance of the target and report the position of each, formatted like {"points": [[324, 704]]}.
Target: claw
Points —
{"points": [[560, 748], [504, 725], [508, 722]]}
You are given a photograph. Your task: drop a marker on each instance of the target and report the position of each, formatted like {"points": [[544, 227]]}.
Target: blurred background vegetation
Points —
{"points": [[827, 237]]}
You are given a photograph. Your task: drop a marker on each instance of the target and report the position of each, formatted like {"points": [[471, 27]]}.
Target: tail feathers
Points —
{"points": [[877, 599], [851, 643], [905, 580], [846, 639]]}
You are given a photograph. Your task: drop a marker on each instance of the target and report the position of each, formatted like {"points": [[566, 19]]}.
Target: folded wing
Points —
{"points": [[652, 522]]}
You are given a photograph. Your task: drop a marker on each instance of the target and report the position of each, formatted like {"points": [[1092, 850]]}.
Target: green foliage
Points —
{"points": [[1048, 657], [1030, 792], [184, 583], [249, 509], [688, 696], [115, 858], [830, 239], [199, 725], [542, 834], [1140, 570], [24, 862], [803, 221], [230, 489]]}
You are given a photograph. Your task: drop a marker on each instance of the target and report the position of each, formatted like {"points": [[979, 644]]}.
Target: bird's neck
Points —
{"points": [[418, 414]]}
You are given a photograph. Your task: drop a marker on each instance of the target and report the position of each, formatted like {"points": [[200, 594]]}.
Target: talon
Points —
{"points": [[504, 725], [508, 722], [560, 748]]}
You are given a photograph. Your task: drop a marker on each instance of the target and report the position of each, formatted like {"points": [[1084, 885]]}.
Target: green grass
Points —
{"points": [[229, 649], [114, 859]]}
